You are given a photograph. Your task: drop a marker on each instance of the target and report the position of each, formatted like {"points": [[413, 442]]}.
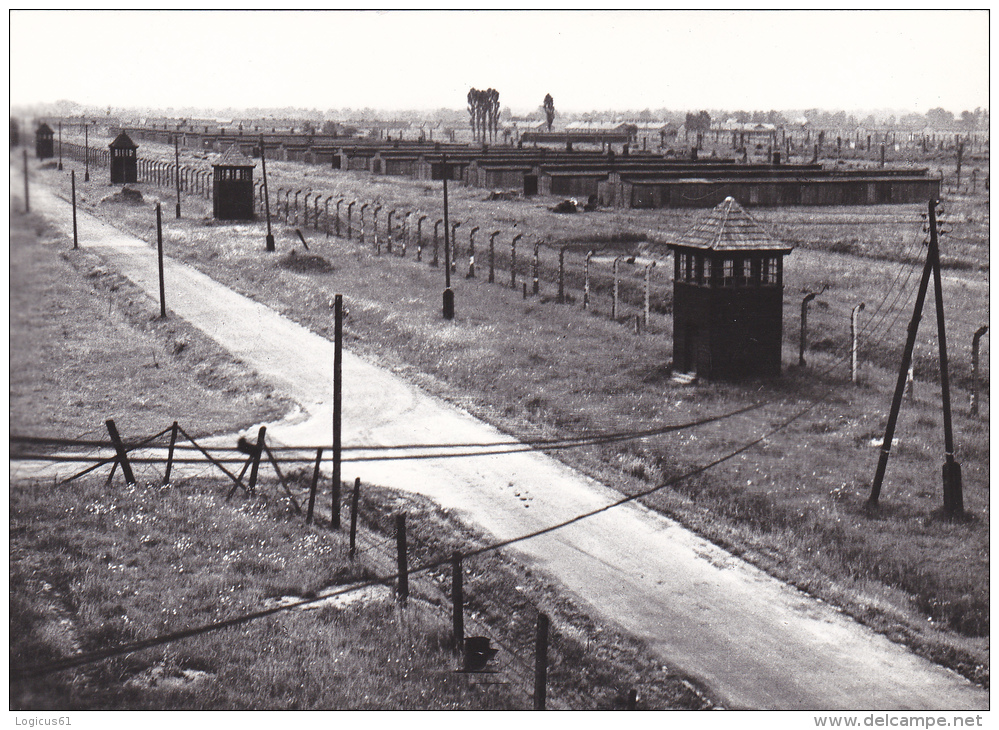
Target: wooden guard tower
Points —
{"points": [[232, 186], [124, 160], [44, 146], [728, 295]]}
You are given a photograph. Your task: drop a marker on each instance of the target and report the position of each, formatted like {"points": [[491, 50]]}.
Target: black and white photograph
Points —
{"points": [[490, 360]]}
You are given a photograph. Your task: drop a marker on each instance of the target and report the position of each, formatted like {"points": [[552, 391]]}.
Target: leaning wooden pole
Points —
{"points": [[903, 369]]}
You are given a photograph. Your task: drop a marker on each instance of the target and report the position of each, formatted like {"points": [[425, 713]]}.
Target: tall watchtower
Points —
{"points": [[728, 296], [232, 186], [124, 160], [44, 145]]}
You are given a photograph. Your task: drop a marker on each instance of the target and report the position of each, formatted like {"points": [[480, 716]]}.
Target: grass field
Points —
{"points": [[94, 566], [794, 504]]}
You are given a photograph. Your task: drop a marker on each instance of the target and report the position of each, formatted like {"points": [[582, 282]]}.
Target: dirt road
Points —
{"points": [[752, 641]]}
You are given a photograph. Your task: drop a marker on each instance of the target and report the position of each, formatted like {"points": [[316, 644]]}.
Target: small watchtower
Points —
{"points": [[728, 297], [232, 186], [124, 160], [44, 146]]}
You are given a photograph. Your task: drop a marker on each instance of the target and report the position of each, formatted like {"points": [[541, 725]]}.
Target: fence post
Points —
{"points": [[804, 327], [159, 259], [471, 253], [365, 205], [354, 499], [513, 260], [378, 243], [388, 232], [453, 248], [315, 213], [336, 221], [854, 350], [169, 465], [617, 262], [457, 602], [402, 584], [434, 261], [586, 280], [648, 292], [492, 256], [27, 207], [537, 265], [404, 238], [255, 467], [632, 699], [337, 406], [126, 468], [419, 237], [974, 368], [314, 486], [72, 180], [326, 215], [561, 275], [350, 212], [541, 663]]}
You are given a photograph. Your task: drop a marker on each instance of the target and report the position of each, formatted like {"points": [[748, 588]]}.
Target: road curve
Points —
{"points": [[751, 640]]}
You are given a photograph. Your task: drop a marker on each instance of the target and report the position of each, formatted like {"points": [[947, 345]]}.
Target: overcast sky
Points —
{"points": [[682, 60]]}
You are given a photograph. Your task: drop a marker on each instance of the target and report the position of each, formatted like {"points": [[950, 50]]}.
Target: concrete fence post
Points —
{"points": [[513, 260], [388, 231], [617, 262], [855, 348], [419, 237], [492, 256], [434, 261], [648, 292], [975, 343], [586, 279], [537, 266], [361, 216], [471, 253]]}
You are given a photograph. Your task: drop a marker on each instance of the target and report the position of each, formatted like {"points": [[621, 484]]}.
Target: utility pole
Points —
{"points": [[448, 294], [176, 159], [953, 498], [267, 199]]}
